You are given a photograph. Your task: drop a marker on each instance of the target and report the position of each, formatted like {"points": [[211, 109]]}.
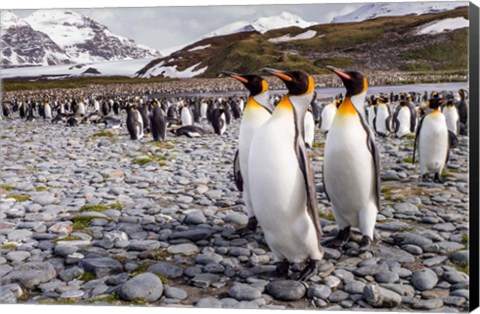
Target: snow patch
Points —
{"points": [[374, 10], [306, 35], [443, 26], [112, 68], [200, 47], [171, 71]]}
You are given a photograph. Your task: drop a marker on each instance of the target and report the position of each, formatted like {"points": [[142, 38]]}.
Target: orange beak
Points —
{"points": [[278, 73]]}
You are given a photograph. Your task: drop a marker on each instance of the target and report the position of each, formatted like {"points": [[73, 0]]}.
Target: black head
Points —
{"points": [[435, 102], [297, 82], [254, 83], [355, 82]]}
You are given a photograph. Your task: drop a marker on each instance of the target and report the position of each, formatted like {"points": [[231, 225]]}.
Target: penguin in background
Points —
{"points": [[452, 117], [30, 112], [218, 121], [47, 111], [134, 123], [116, 108], [282, 182], [328, 114], [316, 110], [96, 105], [462, 107], [186, 115], [80, 108], [203, 109], [351, 169], [158, 123], [404, 118], [23, 110], [370, 111], [256, 112], [382, 119], [433, 140], [146, 121], [6, 109]]}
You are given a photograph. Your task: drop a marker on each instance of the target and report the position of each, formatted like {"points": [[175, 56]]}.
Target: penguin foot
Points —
{"points": [[425, 178], [282, 268], [366, 245], [310, 270], [438, 178], [251, 226], [340, 239]]}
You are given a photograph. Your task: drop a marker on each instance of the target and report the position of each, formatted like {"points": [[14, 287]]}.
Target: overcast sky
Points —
{"points": [[165, 27]]}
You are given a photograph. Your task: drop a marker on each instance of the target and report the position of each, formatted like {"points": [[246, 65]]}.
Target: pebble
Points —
{"points": [[286, 290], [101, 266], [424, 279], [30, 275], [380, 297], [185, 249], [146, 286], [175, 293], [208, 302], [167, 270], [244, 292]]}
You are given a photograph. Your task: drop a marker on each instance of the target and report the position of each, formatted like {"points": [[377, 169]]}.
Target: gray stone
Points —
{"points": [[208, 302], [7, 296], [117, 279], [286, 290], [380, 297], [454, 276], [244, 292], [424, 279], [460, 257], [338, 296], [30, 275], [184, 249], [19, 235], [205, 280], [72, 294], [144, 245], [455, 301], [146, 286], [406, 208], [430, 304], [386, 277], [18, 256], [394, 254], [175, 293], [208, 258], [464, 293], [401, 289], [236, 218], [192, 234], [71, 273], [319, 291], [195, 217], [354, 287], [167, 270], [65, 249], [411, 238], [101, 266], [413, 249], [44, 199]]}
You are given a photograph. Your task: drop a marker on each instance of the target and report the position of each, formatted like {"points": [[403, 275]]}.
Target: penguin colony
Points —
{"points": [[272, 167]]}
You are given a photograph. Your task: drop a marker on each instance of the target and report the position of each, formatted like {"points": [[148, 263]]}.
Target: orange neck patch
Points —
{"points": [[251, 104], [347, 108], [285, 104]]}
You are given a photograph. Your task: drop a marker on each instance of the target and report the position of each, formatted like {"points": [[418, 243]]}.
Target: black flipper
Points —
{"points": [[389, 118], [237, 174], [396, 123], [452, 142], [413, 117], [308, 176], [417, 134]]}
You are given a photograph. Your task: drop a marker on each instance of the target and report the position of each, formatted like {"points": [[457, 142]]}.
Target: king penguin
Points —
{"points": [[328, 113], [158, 123], [452, 117], [134, 123], [382, 118], [282, 183], [47, 111], [351, 165], [433, 140], [186, 115], [309, 125], [404, 118], [256, 112]]}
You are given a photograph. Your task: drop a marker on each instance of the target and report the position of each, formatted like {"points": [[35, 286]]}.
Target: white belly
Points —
{"points": [[371, 117], [328, 114], [252, 120], [433, 143], [451, 116], [186, 117], [203, 110], [48, 112], [349, 171], [381, 121], [278, 192], [309, 124], [404, 121]]}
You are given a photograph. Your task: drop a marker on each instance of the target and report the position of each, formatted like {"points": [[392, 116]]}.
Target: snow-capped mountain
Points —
{"points": [[262, 25], [374, 10], [24, 46], [84, 39]]}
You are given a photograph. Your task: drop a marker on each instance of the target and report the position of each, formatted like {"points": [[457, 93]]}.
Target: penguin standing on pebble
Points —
{"points": [[433, 141], [134, 123], [451, 116], [158, 123], [282, 182], [382, 118], [404, 118], [257, 111], [351, 165]]}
